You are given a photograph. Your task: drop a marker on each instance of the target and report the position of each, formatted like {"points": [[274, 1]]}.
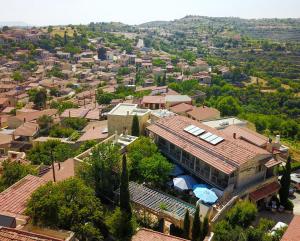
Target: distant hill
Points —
{"points": [[14, 24]]}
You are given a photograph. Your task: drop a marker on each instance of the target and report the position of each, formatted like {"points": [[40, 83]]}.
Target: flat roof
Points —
{"points": [[223, 123], [174, 98], [128, 109]]}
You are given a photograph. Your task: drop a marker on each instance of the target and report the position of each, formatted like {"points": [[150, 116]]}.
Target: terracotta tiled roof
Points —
{"points": [[150, 235], [265, 191], [293, 231], [95, 133], [272, 162], [13, 200], [67, 170], [93, 114], [35, 115], [5, 139], [10, 234], [181, 108], [156, 99], [27, 129], [204, 113], [226, 156], [81, 112], [246, 134]]}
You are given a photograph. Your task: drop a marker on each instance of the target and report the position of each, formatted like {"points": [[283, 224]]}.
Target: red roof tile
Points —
{"points": [[204, 113], [13, 199], [293, 231], [246, 134], [10, 234], [181, 108], [156, 99], [150, 235], [226, 156], [265, 191]]}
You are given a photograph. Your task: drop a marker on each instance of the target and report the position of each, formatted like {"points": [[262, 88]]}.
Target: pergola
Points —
{"points": [[152, 201]]}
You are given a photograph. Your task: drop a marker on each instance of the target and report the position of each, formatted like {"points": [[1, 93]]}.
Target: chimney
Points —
{"points": [[93, 127], [234, 135]]}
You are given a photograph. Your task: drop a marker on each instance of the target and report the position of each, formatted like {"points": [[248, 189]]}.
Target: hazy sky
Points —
{"points": [[45, 12]]}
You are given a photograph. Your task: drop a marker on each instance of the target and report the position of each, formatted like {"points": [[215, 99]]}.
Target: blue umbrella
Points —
{"points": [[176, 171], [204, 194]]}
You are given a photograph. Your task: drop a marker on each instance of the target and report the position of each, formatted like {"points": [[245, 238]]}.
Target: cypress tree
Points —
{"points": [[285, 183], [135, 128], [205, 228], [186, 225], [124, 189], [196, 228]]}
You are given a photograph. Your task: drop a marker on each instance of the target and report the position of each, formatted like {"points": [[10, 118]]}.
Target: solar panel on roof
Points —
{"points": [[193, 130], [211, 138], [206, 135], [217, 140], [198, 132], [189, 128]]}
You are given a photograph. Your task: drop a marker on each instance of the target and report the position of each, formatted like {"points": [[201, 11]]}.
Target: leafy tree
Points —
{"points": [[62, 105], [196, 227], [17, 76], [100, 171], [69, 205], [40, 99], [102, 53], [155, 169], [13, 172], [49, 152], [61, 132], [75, 123], [135, 128], [205, 228], [121, 225], [228, 106], [104, 98], [242, 214], [186, 224], [124, 189], [285, 183], [45, 122]]}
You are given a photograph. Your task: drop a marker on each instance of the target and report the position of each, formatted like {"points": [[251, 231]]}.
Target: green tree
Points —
{"points": [[13, 172], [135, 128], [45, 122], [17, 76], [101, 170], [40, 99], [141, 148], [186, 225], [242, 214], [205, 228], [75, 123], [70, 205], [196, 226], [121, 225], [104, 98], [124, 189], [285, 183], [228, 106], [154, 170], [49, 152]]}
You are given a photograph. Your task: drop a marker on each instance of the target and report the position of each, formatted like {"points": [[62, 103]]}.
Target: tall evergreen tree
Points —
{"points": [[65, 38], [205, 228], [135, 128], [285, 183], [196, 228], [124, 189], [186, 225]]}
